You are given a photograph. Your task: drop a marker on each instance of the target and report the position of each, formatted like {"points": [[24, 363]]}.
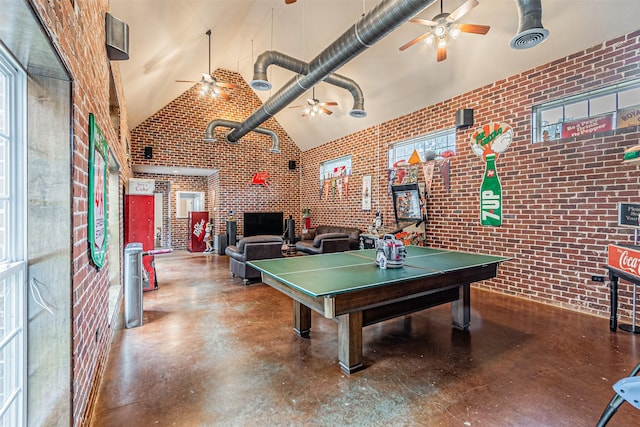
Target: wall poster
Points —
{"points": [[366, 193], [98, 152]]}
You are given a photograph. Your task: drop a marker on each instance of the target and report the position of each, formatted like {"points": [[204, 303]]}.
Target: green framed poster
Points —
{"points": [[98, 152]]}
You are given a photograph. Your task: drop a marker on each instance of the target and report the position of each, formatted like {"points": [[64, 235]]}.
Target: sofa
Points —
{"points": [[251, 249], [328, 238]]}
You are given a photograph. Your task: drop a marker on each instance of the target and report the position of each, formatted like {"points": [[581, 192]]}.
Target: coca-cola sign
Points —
{"points": [[625, 258]]}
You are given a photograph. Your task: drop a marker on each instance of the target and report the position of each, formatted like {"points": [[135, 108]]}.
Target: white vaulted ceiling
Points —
{"points": [[168, 43]]}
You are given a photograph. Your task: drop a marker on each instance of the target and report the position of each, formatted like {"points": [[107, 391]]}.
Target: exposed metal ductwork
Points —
{"points": [[380, 21], [213, 124], [530, 31], [272, 57]]}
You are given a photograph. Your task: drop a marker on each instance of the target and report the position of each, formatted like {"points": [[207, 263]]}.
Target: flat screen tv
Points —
{"points": [[261, 223]]}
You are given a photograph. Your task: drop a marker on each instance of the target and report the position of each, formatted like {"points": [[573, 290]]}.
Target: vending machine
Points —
{"points": [[197, 223]]}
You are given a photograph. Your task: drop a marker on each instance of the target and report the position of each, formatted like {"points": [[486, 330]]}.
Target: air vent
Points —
{"points": [[529, 38]]}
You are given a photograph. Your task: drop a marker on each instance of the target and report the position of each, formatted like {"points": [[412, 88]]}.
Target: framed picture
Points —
{"points": [[98, 152], [366, 193], [406, 202]]}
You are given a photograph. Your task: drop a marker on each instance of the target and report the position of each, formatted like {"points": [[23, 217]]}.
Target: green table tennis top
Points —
{"points": [[342, 272]]}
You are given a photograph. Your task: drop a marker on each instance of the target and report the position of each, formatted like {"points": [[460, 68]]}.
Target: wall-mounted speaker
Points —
{"points": [[464, 118], [148, 152], [292, 165], [117, 38]]}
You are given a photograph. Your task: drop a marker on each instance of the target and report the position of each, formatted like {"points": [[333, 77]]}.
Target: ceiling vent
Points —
{"points": [[530, 32]]}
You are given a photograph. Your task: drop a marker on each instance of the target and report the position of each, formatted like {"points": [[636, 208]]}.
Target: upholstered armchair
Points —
{"points": [[251, 249]]}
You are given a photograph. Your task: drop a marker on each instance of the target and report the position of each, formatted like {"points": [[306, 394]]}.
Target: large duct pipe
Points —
{"points": [[384, 18], [213, 124], [530, 31], [272, 57]]}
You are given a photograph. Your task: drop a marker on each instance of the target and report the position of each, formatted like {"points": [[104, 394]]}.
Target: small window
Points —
{"points": [[187, 201], [438, 142], [335, 168], [611, 107]]}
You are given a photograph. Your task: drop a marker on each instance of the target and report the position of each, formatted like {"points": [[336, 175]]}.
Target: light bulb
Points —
{"points": [[442, 42], [439, 31], [454, 32], [429, 40]]}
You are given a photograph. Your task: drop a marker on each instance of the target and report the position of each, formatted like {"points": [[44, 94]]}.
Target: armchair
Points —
{"points": [[250, 249]]}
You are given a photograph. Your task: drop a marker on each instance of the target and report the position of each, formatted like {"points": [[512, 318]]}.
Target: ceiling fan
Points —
{"points": [[289, 1], [208, 83], [314, 107], [445, 28]]}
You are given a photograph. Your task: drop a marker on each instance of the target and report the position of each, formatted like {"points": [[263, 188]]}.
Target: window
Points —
{"points": [[438, 142], [12, 243], [611, 107], [188, 201], [335, 168]]}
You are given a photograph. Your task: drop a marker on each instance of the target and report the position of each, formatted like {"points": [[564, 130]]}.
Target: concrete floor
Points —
{"points": [[214, 352]]}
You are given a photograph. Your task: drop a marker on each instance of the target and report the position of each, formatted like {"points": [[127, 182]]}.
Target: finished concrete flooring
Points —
{"points": [[213, 352]]}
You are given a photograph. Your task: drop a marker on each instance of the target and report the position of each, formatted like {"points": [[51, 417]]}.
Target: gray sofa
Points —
{"points": [[328, 238], [251, 249]]}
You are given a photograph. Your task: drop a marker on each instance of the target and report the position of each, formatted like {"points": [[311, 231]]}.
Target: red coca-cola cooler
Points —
{"points": [[138, 217], [197, 223]]}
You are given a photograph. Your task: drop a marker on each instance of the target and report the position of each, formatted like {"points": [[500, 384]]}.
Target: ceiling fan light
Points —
{"points": [[429, 40], [454, 32], [442, 42], [440, 30]]}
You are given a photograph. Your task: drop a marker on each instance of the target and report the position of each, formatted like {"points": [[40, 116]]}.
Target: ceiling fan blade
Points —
{"points": [[289, 1], [474, 28], [311, 101], [326, 111], [227, 85], [462, 10], [327, 104], [297, 106], [187, 81], [442, 53], [305, 114], [222, 94], [423, 22], [414, 41]]}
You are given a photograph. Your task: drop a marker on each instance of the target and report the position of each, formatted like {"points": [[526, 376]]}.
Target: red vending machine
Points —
{"points": [[197, 223], [138, 217]]}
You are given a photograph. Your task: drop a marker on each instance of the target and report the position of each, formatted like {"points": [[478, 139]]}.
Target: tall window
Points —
{"points": [[438, 142], [12, 243], [600, 110]]}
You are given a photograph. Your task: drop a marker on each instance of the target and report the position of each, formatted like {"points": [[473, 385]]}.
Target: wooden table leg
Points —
{"points": [[350, 342], [301, 319], [461, 309]]}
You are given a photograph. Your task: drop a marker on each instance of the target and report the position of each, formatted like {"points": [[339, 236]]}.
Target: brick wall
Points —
{"points": [[176, 133], [560, 197]]}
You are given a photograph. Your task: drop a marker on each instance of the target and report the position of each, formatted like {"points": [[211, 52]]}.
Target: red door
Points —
{"points": [[138, 227]]}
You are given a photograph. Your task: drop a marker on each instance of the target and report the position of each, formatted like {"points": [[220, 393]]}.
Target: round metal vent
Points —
{"points": [[529, 38]]}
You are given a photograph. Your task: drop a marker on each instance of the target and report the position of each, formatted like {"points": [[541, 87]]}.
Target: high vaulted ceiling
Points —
{"points": [[168, 43]]}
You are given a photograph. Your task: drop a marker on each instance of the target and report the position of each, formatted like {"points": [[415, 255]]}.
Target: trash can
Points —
{"points": [[133, 284]]}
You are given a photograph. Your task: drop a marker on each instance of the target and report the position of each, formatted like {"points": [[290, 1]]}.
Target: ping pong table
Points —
{"points": [[350, 288]]}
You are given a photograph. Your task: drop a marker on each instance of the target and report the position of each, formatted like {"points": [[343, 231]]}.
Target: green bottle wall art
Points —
{"points": [[487, 142]]}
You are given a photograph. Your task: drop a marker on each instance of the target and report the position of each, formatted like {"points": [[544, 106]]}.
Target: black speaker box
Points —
{"points": [[464, 118], [148, 152], [292, 165], [117, 38]]}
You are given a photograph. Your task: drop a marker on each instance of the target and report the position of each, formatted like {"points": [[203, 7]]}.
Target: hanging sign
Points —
{"points": [[98, 152], [488, 142], [587, 126]]}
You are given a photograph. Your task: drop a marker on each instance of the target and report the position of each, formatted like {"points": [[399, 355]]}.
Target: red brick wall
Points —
{"points": [[560, 197], [176, 133]]}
